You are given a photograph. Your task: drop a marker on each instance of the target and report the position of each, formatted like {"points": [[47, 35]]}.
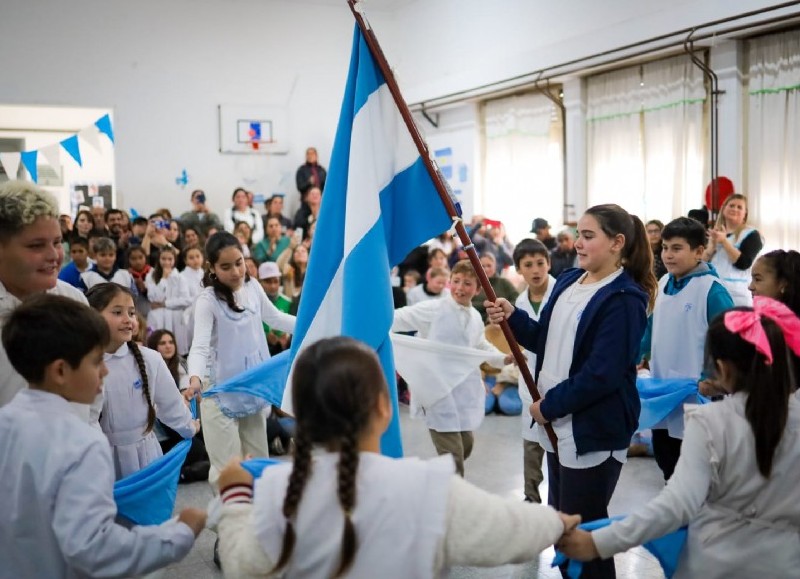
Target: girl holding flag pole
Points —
{"points": [[735, 483]]}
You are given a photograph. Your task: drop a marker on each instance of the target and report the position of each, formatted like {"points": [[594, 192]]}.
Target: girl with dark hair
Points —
{"points": [[398, 518], [196, 465], [168, 294], [137, 390], [586, 366], [735, 484], [776, 275], [228, 339]]}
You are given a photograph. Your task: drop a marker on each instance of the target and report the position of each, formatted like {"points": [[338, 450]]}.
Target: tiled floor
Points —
{"points": [[496, 465]]}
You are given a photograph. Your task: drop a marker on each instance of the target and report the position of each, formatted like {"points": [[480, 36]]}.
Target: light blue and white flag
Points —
{"points": [[379, 204]]}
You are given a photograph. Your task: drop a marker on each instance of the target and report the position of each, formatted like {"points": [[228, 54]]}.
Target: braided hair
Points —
{"points": [[216, 244], [99, 297], [337, 385]]}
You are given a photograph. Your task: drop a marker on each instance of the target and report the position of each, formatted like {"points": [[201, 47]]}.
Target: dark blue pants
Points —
{"points": [[585, 492]]}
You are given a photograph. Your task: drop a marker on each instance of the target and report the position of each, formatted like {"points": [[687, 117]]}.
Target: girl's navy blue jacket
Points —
{"points": [[600, 392]]}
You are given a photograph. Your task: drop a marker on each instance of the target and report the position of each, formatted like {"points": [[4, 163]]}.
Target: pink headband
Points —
{"points": [[747, 324]]}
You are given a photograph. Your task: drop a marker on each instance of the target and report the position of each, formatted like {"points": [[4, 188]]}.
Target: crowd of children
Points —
{"points": [[83, 402]]}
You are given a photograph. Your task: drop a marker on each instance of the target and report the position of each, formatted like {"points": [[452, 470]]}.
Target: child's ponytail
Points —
{"points": [[637, 255], [348, 467], [151, 410], [767, 384]]}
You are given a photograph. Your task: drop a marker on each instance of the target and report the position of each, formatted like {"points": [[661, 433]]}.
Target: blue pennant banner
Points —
{"points": [[104, 124], [29, 160], [72, 147]]}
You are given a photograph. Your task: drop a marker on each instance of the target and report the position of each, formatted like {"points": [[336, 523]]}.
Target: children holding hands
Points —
{"points": [[398, 518], [735, 481]]}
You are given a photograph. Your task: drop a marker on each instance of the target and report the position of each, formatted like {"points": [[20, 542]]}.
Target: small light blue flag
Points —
{"points": [[29, 160], [147, 497], [247, 391], [379, 204], [666, 549], [660, 397], [72, 147], [104, 125], [256, 466]]}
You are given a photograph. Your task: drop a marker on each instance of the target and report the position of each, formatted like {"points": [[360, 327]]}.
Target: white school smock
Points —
{"points": [[124, 416], [414, 519], [450, 323], [680, 323], [740, 524], [735, 280], [10, 381], [249, 216], [523, 303], [418, 294], [121, 277], [57, 507], [227, 343], [173, 292], [555, 369], [194, 283]]}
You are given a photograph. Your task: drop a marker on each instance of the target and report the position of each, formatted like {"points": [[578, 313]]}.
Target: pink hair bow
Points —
{"points": [[748, 325]]}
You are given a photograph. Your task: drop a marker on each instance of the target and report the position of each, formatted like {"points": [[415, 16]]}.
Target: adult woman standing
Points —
{"points": [[733, 247]]}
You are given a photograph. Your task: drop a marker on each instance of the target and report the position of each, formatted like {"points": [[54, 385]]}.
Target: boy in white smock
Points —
{"points": [[452, 320], [57, 507], [689, 297], [532, 261]]}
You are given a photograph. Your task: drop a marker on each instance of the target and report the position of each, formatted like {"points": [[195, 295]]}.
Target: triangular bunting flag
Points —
{"points": [[92, 136], [52, 155], [10, 163], [72, 147], [104, 126], [29, 160]]}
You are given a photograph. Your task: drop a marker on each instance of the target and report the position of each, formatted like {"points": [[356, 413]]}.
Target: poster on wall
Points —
{"points": [[89, 195]]}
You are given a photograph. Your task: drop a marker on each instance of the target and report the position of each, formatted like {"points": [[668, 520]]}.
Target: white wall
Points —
{"points": [[443, 46], [41, 126], [164, 67]]}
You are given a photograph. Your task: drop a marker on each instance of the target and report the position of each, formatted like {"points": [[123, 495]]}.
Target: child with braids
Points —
{"points": [[138, 389], [343, 509], [735, 483], [586, 342]]}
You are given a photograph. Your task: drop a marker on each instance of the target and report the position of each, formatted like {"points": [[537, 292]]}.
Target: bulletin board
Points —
{"points": [[256, 129]]}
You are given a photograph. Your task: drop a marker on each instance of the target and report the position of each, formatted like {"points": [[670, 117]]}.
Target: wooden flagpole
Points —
{"points": [[438, 181]]}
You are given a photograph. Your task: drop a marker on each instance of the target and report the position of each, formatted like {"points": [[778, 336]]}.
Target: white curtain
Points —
{"points": [[774, 138], [523, 165], [645, 138]]}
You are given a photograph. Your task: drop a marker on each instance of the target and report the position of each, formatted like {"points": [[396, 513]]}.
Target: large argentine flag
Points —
{"points": [[379, 203]]}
